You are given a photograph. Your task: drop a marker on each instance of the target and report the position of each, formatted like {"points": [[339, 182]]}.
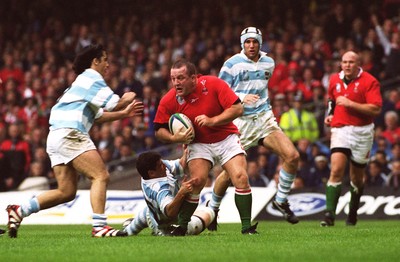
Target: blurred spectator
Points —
{"points": [[307, 87], [150, 104], [40, 155], [383, 159], [390, 41], [375, 175], [319, 172], [299, 123], [394, 175], [304, 169], [395, 151], [394, 98], [392, 127], [129, 83], [279, 106], [290, 85], [256, 179], [337, 23], [17, 154], [380, 144], [10, 71], [106, 137], [5, 174]]}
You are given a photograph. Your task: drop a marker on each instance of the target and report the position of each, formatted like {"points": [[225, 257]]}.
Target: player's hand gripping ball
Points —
{"points": [[178, 123]]}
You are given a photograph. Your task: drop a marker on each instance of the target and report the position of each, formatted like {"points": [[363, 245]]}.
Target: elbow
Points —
{"points": [[376, 112], [240, 111]]}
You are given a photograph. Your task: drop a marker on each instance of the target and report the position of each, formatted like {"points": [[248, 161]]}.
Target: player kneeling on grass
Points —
{"points": [[164, 195]]}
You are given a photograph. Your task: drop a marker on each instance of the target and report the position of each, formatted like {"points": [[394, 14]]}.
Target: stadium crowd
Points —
{"points": [[305, 38]]}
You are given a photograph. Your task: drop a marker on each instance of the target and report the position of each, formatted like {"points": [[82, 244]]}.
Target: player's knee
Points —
{"points": [[67, 195], [293, 158], [103, 177], [241, 180], [199, 182]]}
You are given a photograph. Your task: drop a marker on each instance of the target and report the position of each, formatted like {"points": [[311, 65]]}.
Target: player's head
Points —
{"points": [[183, 77], [85, 57], [250, 32], [350, 64], [149, 164]]}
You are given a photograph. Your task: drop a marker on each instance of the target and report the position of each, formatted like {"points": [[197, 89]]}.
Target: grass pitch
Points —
{"points": [[277, 241]]}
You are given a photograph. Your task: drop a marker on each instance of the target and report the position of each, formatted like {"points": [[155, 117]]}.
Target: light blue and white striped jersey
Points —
{"points": [[83, 102], [245, 76], [159, 192]]}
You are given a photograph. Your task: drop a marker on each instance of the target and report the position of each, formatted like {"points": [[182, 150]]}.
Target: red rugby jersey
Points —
{"points": [[363, 89], [211, 97]]}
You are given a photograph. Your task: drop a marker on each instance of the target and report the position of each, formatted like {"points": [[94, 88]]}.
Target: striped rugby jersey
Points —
{"points": [[159, 192], [83, 102], [245, 76]]}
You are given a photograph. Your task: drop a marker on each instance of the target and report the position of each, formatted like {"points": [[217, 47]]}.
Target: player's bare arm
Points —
{"points": [[227, 116], [172, 209], [133, 109], [125, 100], [184, 137]]}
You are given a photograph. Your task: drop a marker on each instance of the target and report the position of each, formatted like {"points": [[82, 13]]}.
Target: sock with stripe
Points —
{"points": [[99, 220], [31, 207], [187, 209], [215, 201], [243, 201], [333, 191], [284, 186]]}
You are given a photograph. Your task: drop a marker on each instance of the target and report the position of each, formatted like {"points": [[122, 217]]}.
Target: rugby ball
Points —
{"points": [[179, 122]]}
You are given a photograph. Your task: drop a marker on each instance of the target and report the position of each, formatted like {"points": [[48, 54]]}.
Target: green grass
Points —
{"points": [[277, 241]]}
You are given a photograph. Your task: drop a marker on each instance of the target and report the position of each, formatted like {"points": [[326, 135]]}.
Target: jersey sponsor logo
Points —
{"points": [[303, 204]]}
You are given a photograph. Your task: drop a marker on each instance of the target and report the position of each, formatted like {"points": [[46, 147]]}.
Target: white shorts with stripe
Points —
{"points": [[255, 127], [220, 152], [358, 139], [65, 144]]}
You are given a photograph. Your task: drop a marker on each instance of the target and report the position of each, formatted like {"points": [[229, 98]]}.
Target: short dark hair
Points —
{"points": [[84, 58], [190, 67], [147, 161]]}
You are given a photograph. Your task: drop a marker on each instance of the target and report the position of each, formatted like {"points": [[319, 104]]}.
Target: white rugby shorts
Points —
{"points": [[358, 139], [65, 144], [255, 127], [220, 152]]}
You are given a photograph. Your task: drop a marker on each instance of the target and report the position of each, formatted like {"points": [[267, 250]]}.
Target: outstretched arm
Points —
{"points": [[133, 109]]}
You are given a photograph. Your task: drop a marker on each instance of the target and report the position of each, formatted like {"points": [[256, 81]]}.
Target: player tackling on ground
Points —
{"points": [[164, 195], [354, 100]]}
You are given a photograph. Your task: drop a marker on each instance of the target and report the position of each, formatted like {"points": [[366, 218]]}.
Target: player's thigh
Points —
{"points": [[199, 169], [236, 168], [279, 143], [91, 165]]}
